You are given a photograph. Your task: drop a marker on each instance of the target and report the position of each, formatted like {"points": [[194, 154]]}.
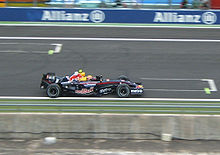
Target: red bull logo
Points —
{"points": [[84, 91]]}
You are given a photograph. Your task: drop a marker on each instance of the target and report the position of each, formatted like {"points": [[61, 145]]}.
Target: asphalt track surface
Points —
{"points": [[168, 69]]}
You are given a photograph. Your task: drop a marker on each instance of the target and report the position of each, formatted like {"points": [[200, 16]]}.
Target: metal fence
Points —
{"points": [[136, 4]]}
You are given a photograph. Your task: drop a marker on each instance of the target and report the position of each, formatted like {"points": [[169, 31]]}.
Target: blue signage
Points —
{"points": [[110, 16]]}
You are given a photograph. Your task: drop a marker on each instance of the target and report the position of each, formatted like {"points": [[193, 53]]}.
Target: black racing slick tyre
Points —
{"points": [[123, 90], [53, 90], [123, 77]]}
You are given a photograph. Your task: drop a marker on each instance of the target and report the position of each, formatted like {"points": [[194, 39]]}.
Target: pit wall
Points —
{"points": [[140, 16], [116, 126]]}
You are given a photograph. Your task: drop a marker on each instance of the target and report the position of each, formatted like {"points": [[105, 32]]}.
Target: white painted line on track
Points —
{"points": [[15, 51], [107, 99], [116, 26], [210, 82], [170, 79], [58, 48], [24, 44], [10, 51], [175, 90], [111, 39]]}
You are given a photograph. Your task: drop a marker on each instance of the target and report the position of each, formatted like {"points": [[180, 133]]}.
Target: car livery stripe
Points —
{"points": [[47, 81], [106, 83], [86, 83]]}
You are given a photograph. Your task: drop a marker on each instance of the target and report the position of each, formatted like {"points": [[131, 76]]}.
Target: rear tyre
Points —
{"points": [[53, 90], [123, 90]]}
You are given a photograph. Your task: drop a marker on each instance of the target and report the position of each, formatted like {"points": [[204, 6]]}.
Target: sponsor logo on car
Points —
{"points": [[105, 90], [84, 91], [137, 91]]}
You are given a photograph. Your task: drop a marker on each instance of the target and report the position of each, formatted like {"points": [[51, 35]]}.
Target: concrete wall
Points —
{"points": [[117, 126]]}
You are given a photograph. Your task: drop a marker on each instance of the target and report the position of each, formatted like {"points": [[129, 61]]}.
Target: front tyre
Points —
{"points": [[53, 90], [123, 90]]}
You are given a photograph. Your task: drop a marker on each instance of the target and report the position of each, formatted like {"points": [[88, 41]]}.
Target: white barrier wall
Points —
{"points": [[117, 126]]}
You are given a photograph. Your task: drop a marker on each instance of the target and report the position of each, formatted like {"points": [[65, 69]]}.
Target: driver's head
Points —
{"points": [[80, 70]]}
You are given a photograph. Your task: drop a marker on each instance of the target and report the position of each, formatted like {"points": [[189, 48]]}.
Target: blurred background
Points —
{"points": [[136, 4]]}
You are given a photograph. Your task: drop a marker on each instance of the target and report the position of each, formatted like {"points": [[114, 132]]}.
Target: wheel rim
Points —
{"points": [[123, 91], [53, 91]]}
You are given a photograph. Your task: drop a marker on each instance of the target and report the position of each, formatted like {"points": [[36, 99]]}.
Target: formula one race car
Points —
{"points": [[57, 86]]}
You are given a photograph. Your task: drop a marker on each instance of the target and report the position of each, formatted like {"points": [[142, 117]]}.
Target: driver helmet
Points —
{"points": [[80, 70]]}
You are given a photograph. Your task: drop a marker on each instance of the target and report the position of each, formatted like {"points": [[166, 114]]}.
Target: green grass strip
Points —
{"points": [[102, 108]]}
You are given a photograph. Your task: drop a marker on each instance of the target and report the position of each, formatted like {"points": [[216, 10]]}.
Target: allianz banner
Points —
{"points": [[110, 16]]}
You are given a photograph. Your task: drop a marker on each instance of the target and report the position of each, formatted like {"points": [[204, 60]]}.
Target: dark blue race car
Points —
{"points": [[58, 86]]}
